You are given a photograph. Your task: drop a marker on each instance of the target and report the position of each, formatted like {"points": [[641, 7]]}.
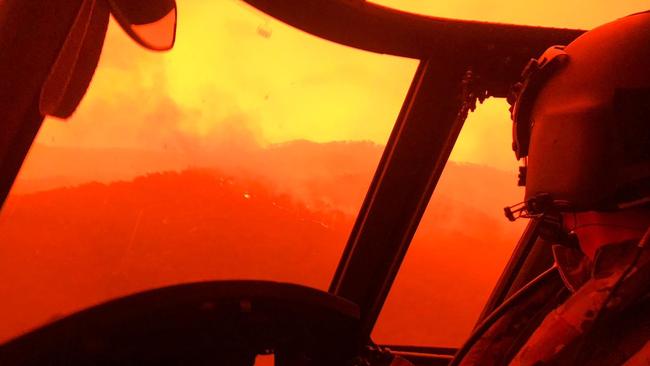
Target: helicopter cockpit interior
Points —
{"points": [[302, 300]]}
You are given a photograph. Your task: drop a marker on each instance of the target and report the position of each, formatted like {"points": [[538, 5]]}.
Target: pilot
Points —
{"points": [[582, 128]]}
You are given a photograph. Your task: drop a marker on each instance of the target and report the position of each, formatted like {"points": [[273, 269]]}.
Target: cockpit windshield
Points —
{"points": [[245, 152]]}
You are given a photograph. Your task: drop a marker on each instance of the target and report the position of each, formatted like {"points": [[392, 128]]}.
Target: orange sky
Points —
{"points": [[236, 74]]}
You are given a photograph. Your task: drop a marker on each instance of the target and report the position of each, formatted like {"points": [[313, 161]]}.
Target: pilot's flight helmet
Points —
{"points": [[582, 121]]}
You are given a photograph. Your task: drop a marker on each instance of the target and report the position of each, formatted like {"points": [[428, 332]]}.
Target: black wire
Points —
{"points": [[605, 225], [498, 312]]}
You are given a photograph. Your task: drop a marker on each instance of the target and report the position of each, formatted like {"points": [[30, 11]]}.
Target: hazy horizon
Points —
{"points": [[161, 223]]}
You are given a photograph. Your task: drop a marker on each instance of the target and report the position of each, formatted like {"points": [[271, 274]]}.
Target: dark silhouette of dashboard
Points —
{"points": [[204, 323]]}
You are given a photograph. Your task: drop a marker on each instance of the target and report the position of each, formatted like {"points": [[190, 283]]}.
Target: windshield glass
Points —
{"points": [[463, 241], [245, 152]]}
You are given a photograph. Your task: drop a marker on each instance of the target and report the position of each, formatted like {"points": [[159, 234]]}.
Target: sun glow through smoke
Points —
{"points": [[224, 76], [282, 86]]}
